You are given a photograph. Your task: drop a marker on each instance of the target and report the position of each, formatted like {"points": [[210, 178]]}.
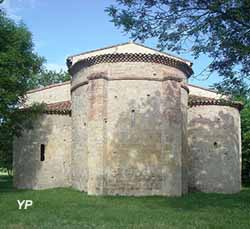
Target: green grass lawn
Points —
{"points": [[67, 208]]}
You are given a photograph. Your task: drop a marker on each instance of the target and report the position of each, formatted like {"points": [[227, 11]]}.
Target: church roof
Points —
{"points": [[127, 47], [127, 52]]}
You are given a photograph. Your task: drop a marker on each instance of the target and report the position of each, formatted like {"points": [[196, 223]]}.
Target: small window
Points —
{"points": [[42, 152], [132, 118]]}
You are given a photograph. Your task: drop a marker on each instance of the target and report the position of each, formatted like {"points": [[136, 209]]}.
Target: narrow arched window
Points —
{"points": [[132, 118], [42, 152]]}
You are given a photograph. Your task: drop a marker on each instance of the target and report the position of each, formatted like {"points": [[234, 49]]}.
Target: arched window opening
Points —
{"points": [[42, 152]]}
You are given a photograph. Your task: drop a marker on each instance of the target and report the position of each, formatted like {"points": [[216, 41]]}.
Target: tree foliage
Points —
{"points": [[235, 86], [245, 133], [12, 127], [18, 64], [217, 28], [20, 70], [48, 77]]}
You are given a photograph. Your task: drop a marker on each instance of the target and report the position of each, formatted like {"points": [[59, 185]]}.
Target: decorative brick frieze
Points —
{"points": [[199, 101], [130, 57]]}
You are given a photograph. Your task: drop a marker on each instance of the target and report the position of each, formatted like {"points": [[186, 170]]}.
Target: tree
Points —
{"points": [[20, 70], [47, 77], [235, 86], [18, 65], [217, 28], [245, 133]]}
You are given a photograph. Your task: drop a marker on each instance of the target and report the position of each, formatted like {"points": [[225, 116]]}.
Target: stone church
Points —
{"points": [[128, 123]]}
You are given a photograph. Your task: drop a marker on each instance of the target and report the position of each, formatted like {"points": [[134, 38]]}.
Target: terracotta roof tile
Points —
{"points": [[60, 107]]}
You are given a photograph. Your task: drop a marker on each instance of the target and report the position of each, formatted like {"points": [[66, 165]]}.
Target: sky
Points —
{"points": [[62, 28]]}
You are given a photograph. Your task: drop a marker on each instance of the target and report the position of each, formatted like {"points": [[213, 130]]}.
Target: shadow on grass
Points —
{"points": [[6, 183]]}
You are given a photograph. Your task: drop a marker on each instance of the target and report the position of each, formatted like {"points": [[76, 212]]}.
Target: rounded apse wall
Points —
{"points": [[214, 149], [127, 129]]}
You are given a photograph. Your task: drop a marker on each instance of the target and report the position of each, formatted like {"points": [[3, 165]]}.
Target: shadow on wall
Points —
{"points": [[214, 146], [136, 161], [29, 151]]}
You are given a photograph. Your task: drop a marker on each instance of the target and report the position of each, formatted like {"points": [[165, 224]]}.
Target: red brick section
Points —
{"points": [[199, 101]]}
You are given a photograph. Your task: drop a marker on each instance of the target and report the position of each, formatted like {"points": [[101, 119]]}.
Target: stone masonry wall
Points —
{"points": [[214, 149], [134, 129], [132, 70], [54, 131]]}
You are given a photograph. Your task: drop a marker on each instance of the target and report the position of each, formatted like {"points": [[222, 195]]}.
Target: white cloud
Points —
{"points": [[13, 8]]}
